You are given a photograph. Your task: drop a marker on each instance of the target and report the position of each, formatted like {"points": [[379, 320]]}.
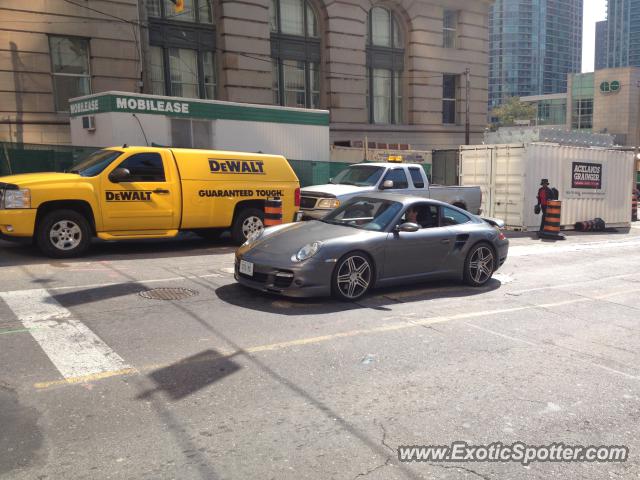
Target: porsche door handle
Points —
{"points": [[161, 191]]}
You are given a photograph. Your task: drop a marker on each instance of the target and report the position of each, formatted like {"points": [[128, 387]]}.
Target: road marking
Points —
{"points": [[153, 280], [543, 249], [70, 345], [390, 327], [17, 330], [572, 284], [521, 340], [498, 334], [514, 251]]}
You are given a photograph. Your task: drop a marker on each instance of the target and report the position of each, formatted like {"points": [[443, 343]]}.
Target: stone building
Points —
{"points": [[391, 72]]}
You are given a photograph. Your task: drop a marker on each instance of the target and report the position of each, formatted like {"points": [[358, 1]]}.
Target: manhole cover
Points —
{"points": [[168, 293]]}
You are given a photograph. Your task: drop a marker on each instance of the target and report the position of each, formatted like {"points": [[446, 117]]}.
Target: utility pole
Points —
{"points": [[467, 122]]}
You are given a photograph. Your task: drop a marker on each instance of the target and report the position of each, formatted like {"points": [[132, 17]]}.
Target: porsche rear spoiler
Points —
{"points": [[494, 222]]}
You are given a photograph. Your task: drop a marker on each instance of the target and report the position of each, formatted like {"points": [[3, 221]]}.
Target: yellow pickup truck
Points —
{"points": [[145, 192]]}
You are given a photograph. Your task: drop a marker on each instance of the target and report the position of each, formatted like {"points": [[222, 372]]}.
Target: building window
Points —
{"points": [[187, 133], [582, 94], [157, 70], [295, 49], [582, 114], [385, 64], [209, 72], [194, 11], [182, 57], [450, 90], [450, 29], [69, 69], [183, 67]]}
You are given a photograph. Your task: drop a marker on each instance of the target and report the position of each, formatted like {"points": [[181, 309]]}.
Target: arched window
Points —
{"points": [[182, 47], [385, 64], [295, 52]]}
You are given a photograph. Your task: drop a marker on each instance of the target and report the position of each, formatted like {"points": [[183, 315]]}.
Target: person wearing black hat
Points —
{"points": [[544, 195]]}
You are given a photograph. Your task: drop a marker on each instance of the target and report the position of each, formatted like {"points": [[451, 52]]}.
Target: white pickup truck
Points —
{"points": [[404, 178]]}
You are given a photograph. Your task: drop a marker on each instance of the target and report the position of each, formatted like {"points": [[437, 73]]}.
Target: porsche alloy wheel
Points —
{"points": [[352, 277], [479, 266]]}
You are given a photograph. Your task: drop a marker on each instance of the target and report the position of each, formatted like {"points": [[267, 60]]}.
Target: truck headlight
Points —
{"points": [[308, 251], [17, 198], [328, 203]]}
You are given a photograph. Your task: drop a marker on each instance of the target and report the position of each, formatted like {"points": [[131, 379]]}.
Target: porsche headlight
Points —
{"points": [[17, 198], [308, 251], [328, 203], [252, 238]]}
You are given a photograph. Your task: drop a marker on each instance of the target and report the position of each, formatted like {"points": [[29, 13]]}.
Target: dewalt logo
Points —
{"points": [[128, 196], [240, 167]]}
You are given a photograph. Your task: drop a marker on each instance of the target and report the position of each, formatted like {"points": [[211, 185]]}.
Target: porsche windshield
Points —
{"points": [[360, 175], [365, 213], [95, 163]]}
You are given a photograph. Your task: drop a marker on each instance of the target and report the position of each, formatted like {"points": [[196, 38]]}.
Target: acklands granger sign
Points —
{"points": [[584, 179], [586, 175]]}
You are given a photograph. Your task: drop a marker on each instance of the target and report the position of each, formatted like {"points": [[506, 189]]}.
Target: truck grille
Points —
{"points": [[308, 202]]}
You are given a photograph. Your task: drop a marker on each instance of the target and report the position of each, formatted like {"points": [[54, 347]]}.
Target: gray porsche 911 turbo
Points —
{"points": [[372, 241]]}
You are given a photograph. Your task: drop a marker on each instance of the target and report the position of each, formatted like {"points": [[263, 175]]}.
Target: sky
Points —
{"points": [[594, 11]]}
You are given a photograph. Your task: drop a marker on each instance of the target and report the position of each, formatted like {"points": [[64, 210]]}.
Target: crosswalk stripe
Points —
{"points": [[70, 345]]}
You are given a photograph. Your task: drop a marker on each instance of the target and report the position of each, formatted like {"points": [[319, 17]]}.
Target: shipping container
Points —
{"points": [[592, 182]]}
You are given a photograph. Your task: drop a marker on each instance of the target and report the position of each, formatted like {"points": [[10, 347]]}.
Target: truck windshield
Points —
{"points": [[95, 163], [365, 213], [360, 175]]}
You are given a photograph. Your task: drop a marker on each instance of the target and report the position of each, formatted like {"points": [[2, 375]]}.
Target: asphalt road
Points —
{"points": [[99, 382]]}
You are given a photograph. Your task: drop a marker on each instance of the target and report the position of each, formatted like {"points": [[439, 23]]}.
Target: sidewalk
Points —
{"points": [[572, 236]]}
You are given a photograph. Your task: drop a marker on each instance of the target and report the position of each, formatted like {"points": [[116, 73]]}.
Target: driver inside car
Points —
{"points": [[422, 215]]}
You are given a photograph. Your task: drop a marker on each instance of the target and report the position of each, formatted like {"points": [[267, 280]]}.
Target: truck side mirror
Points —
{"points": [[387, 184], [119, 175]]}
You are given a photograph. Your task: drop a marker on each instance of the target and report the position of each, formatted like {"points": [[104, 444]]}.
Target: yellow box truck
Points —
{"points": [[145, 192]]}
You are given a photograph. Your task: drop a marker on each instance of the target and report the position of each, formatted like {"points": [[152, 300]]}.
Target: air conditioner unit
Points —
{"points": [[89, 122]]}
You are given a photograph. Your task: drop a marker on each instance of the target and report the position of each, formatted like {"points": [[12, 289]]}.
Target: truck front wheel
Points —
{"points": [[247, 221], [63, 234]]}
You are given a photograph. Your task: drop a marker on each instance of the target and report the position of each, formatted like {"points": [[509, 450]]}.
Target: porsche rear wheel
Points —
{"points": [[479, 265], [352, 277]]}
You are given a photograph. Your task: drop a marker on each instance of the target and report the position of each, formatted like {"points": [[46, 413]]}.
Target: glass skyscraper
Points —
{"points": [[623, 33], [600, 60], [533, 45]]}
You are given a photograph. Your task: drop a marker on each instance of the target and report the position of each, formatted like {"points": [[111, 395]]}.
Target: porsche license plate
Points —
{"points": [[246, 268]]}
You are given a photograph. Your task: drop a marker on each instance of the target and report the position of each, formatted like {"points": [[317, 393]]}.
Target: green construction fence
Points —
{"points": [[29, 158]]}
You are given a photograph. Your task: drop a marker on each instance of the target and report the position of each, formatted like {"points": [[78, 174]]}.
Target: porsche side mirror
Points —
{"points": [[408, 227], [119, 175], [387, 184]]}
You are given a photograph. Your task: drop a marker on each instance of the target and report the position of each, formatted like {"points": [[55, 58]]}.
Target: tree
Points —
{"points": [[513, 109]]}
